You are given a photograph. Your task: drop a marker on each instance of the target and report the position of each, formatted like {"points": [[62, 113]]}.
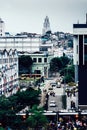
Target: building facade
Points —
{"points": [[41, 62], [8, 72], [21, 43], [80, 61]]}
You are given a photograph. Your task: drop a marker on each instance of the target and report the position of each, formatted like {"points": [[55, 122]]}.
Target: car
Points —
{"points": [[52, 105], [50, 89], [58, 85], [52, 101], [53, 84]]}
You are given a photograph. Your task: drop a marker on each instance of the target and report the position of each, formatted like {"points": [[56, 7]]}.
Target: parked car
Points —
{"points": [[52, 101], [50, 89], [53, 84], [52, 104], [58, 85]]}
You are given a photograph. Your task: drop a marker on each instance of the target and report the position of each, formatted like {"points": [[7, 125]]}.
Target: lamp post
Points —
{"points": [[64, 88], [57, 117]]}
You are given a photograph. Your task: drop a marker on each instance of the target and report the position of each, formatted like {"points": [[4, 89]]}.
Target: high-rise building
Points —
{"points": [[46, 25], [80, 61], [9, 83], [2, 28]]}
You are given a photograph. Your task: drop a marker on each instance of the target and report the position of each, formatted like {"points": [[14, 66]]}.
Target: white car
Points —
{"points": [[52, 101], [52, 104]]}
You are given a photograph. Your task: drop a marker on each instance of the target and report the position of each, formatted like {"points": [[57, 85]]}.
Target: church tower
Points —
{"points": [[46, 25]]}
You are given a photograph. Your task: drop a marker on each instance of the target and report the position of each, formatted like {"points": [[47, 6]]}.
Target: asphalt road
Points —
{"points": [[57, 98], [58, 103]]}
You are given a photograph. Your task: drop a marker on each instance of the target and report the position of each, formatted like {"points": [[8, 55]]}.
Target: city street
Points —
{"points": [[57, 98], [58, 103]]}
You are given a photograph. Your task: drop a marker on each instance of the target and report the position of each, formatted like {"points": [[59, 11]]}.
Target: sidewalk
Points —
{"points": [[74, 99], [44, 91]]}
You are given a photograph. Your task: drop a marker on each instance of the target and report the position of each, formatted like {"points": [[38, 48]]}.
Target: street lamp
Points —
{"points": [[57, 116], [64, 88]]}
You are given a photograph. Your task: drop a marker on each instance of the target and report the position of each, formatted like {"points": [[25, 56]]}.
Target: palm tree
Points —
{"points": [[37, 119]]}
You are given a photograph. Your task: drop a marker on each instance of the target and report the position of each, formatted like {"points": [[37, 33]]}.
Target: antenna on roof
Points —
{"points": [[78, 22], [86, 18]]}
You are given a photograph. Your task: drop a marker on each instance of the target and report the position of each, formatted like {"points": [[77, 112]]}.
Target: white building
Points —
{"points": [[24, 44], [8, 72], [21, 43]]}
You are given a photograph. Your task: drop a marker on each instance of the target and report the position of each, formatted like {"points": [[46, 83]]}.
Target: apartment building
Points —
{"points": [[8, 72]]}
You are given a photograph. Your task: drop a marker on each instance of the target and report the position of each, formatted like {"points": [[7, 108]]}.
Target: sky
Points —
{"points": [[28, 15]]}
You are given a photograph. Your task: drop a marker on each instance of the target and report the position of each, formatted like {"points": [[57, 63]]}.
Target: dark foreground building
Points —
{"points": [[80, 61]]}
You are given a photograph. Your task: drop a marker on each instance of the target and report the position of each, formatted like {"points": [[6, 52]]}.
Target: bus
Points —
{"points": [[28, 76]]}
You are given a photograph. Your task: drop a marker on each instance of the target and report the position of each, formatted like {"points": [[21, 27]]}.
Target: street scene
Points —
{"points": [[43, 65], [55, 94]]}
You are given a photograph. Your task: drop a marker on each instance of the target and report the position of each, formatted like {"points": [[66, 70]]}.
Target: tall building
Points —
{"points": [[80, 61], [9, 83], [46, 25], [2, 28]]}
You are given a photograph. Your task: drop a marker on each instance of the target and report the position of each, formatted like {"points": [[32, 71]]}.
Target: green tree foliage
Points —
{"points": [[64, 65], [68, 73], [65, 60], [1, 128], [25, 63], [59, 63], [36, 119], [56, 64], [13, 104]]}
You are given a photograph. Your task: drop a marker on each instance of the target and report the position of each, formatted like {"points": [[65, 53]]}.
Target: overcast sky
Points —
{"points": [[28, 15]]}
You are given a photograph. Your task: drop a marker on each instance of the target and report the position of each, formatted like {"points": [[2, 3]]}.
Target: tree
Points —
{"points": [[65, 60], [36, 119], [68, 73], [10, 106], [1, 128], [55, 64], [25, 63], [59, 63]]}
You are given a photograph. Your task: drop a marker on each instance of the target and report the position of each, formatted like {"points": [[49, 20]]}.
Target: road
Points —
{"points": [[58, 94], [57, 98], [58, 103]]}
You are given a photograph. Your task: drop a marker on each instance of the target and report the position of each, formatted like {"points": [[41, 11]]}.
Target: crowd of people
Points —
{"points": [[69, 123], [73, 125]]}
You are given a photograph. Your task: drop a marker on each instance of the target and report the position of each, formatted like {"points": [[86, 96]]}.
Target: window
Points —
{"points": [[39, 60], [34, 60], [85, 55], [45, 59], [85, 38], [77, 49]]}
